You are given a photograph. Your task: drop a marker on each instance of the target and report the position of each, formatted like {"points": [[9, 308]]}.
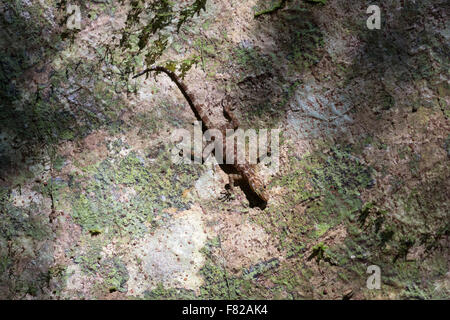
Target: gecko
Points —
{"points": [[246, 171]]}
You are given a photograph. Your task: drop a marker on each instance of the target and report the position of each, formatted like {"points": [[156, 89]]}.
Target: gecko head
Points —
{"points": [[260, 188]]}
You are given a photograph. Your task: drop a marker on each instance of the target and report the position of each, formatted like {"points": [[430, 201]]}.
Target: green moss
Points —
{"points": [[341, 173], [251, 59], [89, 260], [4, 263], [320, 191], [154, 186], [17, 222], [291, 282], [162, 293], [321, 229], [327, 186], [318, 1], [59, 163], [260, 268], [57, 271], [22, 230], [218, 283], [318, 252], [115, 275], [378, 237], [279, 5]]}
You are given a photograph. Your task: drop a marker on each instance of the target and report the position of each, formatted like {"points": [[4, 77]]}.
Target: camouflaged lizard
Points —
{"points": [[246, 171]]}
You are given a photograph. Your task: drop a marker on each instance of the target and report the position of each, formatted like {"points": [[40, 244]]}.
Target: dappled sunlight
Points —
{"points": [[94, 207]]}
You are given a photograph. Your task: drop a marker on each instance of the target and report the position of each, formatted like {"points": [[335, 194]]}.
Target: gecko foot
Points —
{"points": [[226, 196]]}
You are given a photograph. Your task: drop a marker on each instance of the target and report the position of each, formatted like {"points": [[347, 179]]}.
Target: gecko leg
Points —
{"points": [[228, 193], [226, 196], [227, 107]]}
